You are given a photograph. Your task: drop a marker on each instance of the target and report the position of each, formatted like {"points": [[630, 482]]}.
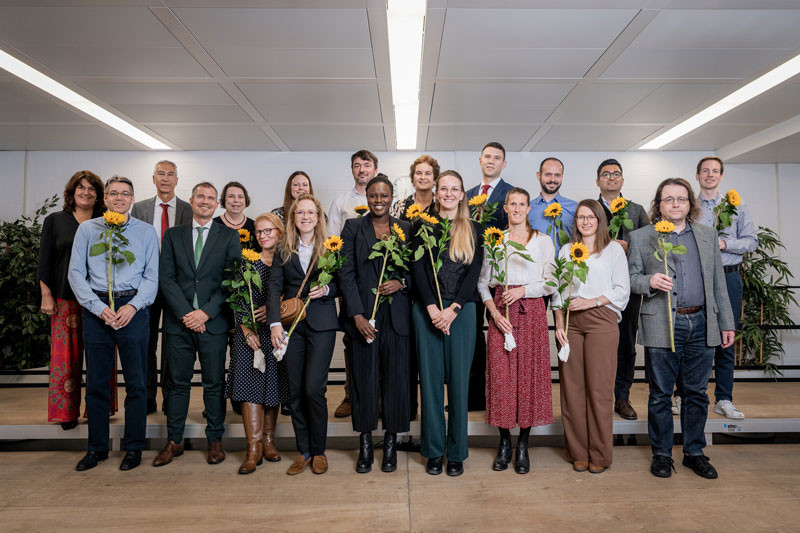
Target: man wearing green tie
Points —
{"points": [[191, 270]]}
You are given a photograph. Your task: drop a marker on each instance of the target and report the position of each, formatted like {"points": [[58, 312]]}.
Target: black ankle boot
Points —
{"points": [[522, 464], [503, 453], [365, 454], [389, 462]]}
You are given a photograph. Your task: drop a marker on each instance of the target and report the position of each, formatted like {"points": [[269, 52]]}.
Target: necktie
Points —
{"points": [[485, 189], [164, 219], [198, 251]]}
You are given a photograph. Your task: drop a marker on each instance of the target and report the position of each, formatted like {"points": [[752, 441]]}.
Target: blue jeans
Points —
{"points": [[692, 359], [131, 341], [724, 358]]}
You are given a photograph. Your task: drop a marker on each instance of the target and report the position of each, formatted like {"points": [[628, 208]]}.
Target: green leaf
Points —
{"points": [[657, 256], [628, 223], [97, 249], [129, 257], [668, 247], [679, 250], [256, 279]]}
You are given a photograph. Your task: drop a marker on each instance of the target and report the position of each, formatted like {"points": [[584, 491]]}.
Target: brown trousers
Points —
{"points": [[587, 385]]}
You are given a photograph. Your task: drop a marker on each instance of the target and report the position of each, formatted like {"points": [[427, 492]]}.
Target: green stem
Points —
{"points": [[435, 276], [111, 272], [669, 305], [380, 282], [252, 310], [569, 298], [505, 254], [300, 314]]}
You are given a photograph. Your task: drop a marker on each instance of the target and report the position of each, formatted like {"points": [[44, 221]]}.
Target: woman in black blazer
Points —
{"points": [[308, 355], [379, 368]]}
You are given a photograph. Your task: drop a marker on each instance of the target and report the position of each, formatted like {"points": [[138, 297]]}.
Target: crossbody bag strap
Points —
{"points": [[308, 272]]}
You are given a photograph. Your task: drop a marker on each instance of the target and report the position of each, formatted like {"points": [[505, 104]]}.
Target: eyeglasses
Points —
{"points": [[587, 218], [444, 190], [266, 232], [310, 213], [680, 200], [606, 175], [124, 194]]}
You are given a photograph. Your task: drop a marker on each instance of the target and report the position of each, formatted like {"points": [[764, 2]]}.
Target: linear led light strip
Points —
{"points": [[764, 83], [51, 86], [406, 20]]}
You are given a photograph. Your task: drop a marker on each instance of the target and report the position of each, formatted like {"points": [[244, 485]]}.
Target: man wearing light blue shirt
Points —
{"points": [[125, 327], [734, 241], [551, 175]]}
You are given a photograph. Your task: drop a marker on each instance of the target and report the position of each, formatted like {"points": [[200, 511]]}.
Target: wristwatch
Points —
{"points": [[456, 309], [598, 302]]}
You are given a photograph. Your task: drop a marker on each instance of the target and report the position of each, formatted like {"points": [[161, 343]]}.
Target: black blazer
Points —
{"points": [[178, 278], [285, 280], [359, 275], [498, 196]]}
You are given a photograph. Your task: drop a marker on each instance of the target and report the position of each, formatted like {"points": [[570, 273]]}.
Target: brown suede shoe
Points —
{"points": [[298, 465], [343, 411], [166, 455], [625, 410], [595, 469], [580, 466], [215, 453], [319, 465]]}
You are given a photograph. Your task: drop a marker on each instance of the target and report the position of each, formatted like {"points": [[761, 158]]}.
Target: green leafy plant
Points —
{"points": [[566, 270], [766, 301], [24, 329], [396, 255]]}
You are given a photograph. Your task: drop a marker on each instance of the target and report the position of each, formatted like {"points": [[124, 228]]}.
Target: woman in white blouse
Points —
{"points": [[518, 384], [587, 377]]}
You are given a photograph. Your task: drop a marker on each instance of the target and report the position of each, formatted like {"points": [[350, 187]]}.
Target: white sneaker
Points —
{"points": [[727, 409], [676, 405]]}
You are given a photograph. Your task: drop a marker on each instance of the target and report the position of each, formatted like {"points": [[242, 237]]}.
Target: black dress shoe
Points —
{"points": [[132, 459], [151, 407], [365, 454], [72, 424], [90, 460], [522, 463], [455, 468], [503, 456], [409, 446], [434, 466], [662, 466], [389, 462], [285, 411], [700, 466]]}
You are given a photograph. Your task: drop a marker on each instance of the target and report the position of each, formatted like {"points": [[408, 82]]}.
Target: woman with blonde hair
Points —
{"points": [[445, 336], [310, 348]]}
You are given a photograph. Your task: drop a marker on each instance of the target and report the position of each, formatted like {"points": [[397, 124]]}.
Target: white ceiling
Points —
{"points": [[295, 75]]}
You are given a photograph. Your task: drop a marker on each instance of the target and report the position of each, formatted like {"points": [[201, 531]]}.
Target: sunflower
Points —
{"points": [[413, 211], [334, 243], [399, 231], [361, 209], [665, 226], [617, 204], [733, 198], [113, 218], [250, 255], [478, 200], [428, 218], [493, 236], [579, 252], [244, 235], [553, 210]]}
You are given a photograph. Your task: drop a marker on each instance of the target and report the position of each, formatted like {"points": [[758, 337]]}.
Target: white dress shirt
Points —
{"points": [[342, 210], [608, 276], [532, 276], [157, 210]]}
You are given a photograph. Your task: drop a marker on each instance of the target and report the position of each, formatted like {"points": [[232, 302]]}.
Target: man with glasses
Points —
{"points": [[700, 310], [125, 327], [610, 180], [551, 176]]}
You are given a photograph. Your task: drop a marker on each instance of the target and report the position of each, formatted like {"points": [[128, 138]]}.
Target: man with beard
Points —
{"points": [[551, 175]]}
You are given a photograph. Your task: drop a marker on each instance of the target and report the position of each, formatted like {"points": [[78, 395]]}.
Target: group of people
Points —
{"points": [[425, 332]]}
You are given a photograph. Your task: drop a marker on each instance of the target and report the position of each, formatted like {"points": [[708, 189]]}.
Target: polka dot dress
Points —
{"points": [[248, 384]]}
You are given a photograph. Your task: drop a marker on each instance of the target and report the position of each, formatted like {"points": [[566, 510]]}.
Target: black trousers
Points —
{"points": [[308, 360], [378, 376], [152, 359], [626, 352], [477, 375]]}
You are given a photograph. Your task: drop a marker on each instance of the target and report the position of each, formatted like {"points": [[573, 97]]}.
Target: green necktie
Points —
{"points": [[198, 251]]}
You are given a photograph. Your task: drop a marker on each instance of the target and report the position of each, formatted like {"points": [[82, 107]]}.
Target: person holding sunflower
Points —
{"points": [[310, 348], [379, 366], [595, 308]]}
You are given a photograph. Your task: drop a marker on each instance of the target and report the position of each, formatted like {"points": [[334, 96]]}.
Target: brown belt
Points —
{"points": [[689, 310]]}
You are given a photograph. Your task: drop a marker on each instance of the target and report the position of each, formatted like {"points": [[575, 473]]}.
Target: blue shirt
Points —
{"points": [[740, 237], [88, 274], [540, 222]]}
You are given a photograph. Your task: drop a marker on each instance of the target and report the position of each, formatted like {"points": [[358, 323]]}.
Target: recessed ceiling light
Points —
{"points": [[761, 84], [51, 86], [405, 25]]}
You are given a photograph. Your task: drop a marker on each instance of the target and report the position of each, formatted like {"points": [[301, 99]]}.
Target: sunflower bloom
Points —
{"points": [[617, 204], [113, 218], [579, 252], [250, 255], [361, 209], [399, 231], [244, 235], [429, 218], [553, 210], [334, 243], [413, 211], [733, 198], [493, 236], [478, 200], [665, 226]]}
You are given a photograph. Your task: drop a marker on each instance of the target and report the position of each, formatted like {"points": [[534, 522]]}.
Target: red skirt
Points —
{"points": [[518, 383], [66, 364]]}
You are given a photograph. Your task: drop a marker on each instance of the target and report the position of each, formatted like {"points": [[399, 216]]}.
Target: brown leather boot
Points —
{"points": [[253, 418], [271, 452]]}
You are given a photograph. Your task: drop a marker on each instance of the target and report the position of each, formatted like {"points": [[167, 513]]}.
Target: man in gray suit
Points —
{"points": [[700, 310], [163, 211]]}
